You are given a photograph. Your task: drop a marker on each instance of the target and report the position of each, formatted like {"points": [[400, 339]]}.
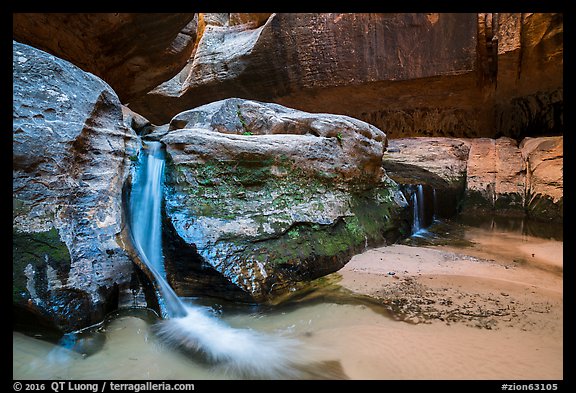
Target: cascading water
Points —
{"points": [[425, 207], [194, 328], [418, 209], [146, 223], [146, 206]]}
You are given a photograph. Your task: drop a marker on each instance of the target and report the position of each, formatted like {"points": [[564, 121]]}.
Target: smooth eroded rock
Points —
{"points": [[411, 74], [483, 175], [529, 95], [132, 52], [70, 160], [438, 162], [366, 65], [545, 176], [496, 175]]}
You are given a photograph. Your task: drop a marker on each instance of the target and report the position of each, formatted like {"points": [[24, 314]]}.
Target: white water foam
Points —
{"points": [[243, 352]]}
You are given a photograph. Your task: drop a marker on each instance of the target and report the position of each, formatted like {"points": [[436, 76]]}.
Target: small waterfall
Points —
{"points": [[424, 205], [193, 328], [435, 205], [146, 205], [146, 222], [417, 209]]}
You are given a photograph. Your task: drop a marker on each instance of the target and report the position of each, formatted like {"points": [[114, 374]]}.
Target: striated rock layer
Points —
{"points": [[453, 75], [70, 159], [270, 196]]}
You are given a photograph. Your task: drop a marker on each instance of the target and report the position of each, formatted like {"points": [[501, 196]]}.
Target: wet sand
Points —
{"points": [[489, 311]]}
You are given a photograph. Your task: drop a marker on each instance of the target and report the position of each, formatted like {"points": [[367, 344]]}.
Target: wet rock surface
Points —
{"points": [[70, 159]]}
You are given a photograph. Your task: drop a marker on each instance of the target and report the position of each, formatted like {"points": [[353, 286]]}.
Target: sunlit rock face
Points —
{"points": [[513, 178], [70, 159], [411, 74], [530, 72], [363, 65], [270, 196]]}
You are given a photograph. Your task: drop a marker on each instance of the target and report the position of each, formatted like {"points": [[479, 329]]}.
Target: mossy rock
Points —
{"points": [[40, 250], [267, 225]]}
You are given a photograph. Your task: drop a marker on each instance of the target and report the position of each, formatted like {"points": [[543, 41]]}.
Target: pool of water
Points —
{"points": [[327, 334]]}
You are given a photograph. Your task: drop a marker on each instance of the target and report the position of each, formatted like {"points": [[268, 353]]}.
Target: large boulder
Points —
{"points": [[70, 159], [438, 162], [270, 196], [132, 52], [436, 165]]}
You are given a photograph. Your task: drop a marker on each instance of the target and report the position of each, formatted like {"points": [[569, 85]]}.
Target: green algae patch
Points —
{"points": [[269, 226], [39, 250]]}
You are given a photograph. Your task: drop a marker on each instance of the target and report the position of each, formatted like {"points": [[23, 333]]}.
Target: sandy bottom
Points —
{"points": [[492, 310], [489, 311]]}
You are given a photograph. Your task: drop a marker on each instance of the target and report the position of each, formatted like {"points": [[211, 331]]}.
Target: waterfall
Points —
{"points": [[146, 222], [425, 207], [415, 215], [146, 206], [194, 328], [418, 209], [434, 205]]}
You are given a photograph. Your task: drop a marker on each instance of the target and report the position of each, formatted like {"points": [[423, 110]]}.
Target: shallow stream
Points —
{"points": [[330, 332]]}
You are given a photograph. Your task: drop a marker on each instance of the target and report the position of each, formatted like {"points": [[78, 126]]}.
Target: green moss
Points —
{"points": [[19, 207], [269, 191], [304, 241], [39, 250], [223, 189], [293, 233]]}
